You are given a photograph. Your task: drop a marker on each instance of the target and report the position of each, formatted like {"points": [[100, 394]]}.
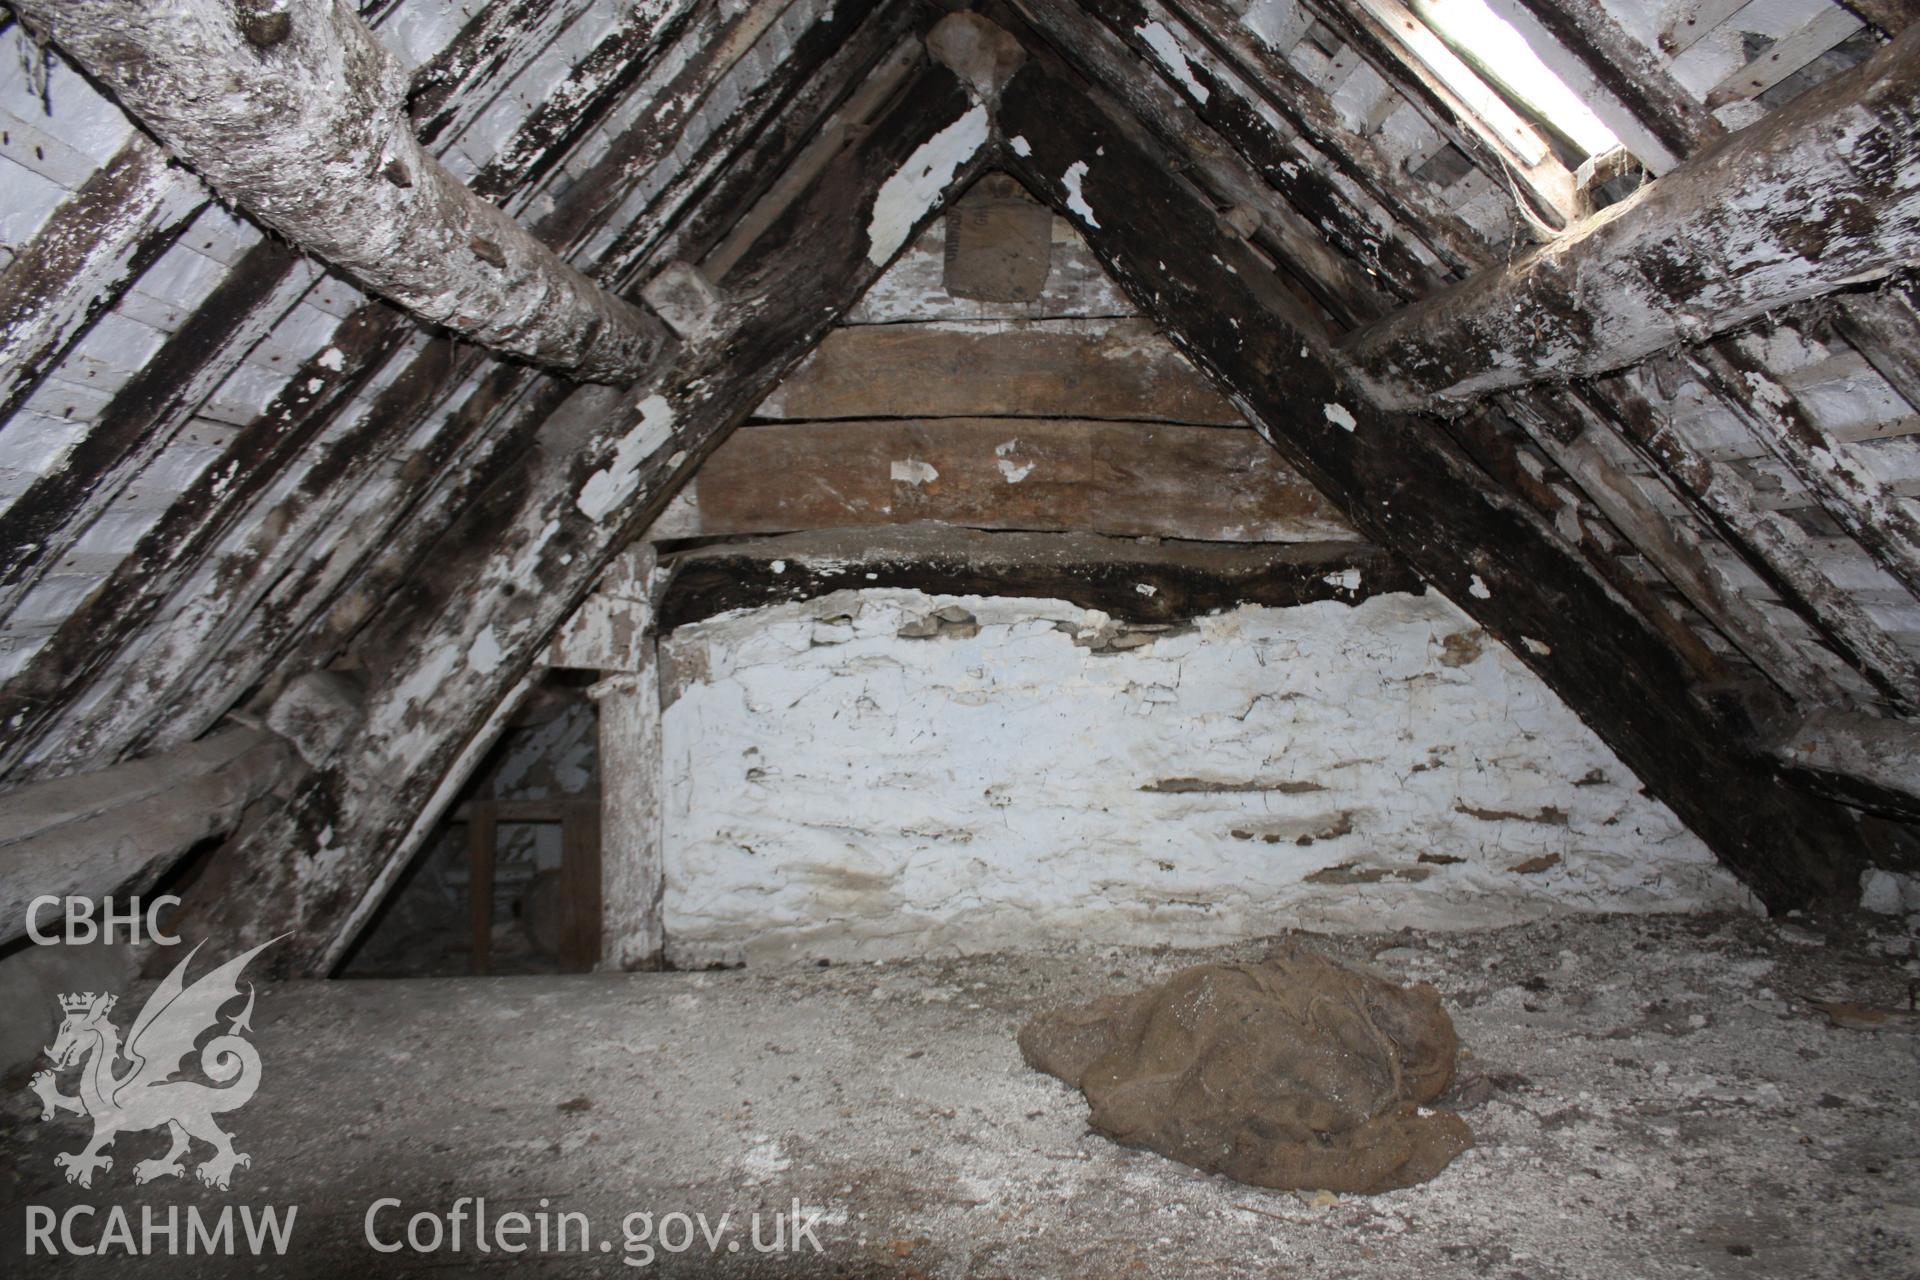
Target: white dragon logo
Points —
{"points": [[145, 1095]]}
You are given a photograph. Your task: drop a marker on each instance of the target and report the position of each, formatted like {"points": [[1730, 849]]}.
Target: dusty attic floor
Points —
{"points": [[1652, 1097]]}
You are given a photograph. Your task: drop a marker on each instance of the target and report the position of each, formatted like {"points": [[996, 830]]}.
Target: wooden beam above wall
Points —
{"points": [[1210, 484], [1156, 583], [1822, 193], [1107, 369]]}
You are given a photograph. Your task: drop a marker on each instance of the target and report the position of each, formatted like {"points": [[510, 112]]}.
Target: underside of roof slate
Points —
{"points": [[226, 467]]}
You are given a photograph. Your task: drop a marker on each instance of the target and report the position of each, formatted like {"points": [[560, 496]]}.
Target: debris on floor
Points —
{"points": [[1297, 1073]]}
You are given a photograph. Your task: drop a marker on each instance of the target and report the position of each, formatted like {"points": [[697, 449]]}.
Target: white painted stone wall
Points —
{"points": [[835, 790]]}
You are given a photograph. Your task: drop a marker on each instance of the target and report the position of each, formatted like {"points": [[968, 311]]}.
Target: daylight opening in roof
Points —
{"points": [[1502, 57]]}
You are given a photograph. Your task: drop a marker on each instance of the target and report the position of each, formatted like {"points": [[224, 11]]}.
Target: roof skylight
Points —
{"points": [[1505, 62]]}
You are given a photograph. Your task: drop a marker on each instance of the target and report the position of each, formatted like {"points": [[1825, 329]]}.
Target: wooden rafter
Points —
{"points": [[1381, 32], [1885, 327], [1774, 546], [1358, 156], [140, 420], [86, 255], [1601, 463], [1586, 447], [145, 413], [1872, 513], [1213, 115]]}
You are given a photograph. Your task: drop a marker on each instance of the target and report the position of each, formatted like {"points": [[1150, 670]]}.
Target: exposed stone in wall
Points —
{"points": [[847, 780]]}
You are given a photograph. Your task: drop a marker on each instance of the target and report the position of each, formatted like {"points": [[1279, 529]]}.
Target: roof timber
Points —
{"points": [[668, 104], [1379, 29], [1504, 449], [876, 59], [98, 242], [1878, 518], [1679, 553], [844, 54], [1870, 763], [1407, 488], [84, 257], [191, 527], [60, 678], [1198, 98], [1591, 37], [1601, 463], [607, 466], [1110, 477], [1357, 155], [143, 416], [1776, 548], [1246, 164], [493, 48], [299, 117], [1823, 193], [340, 572], [38, 529], [1885, 327], [311, 617], [1598, 466], [346, 455], [1085, 569]]}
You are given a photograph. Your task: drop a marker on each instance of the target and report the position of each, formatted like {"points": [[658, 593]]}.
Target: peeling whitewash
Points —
{"points": [[1173, 58], [912, 471], [608, 489], [835, 790], [1076, 198], [921, 182]]}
